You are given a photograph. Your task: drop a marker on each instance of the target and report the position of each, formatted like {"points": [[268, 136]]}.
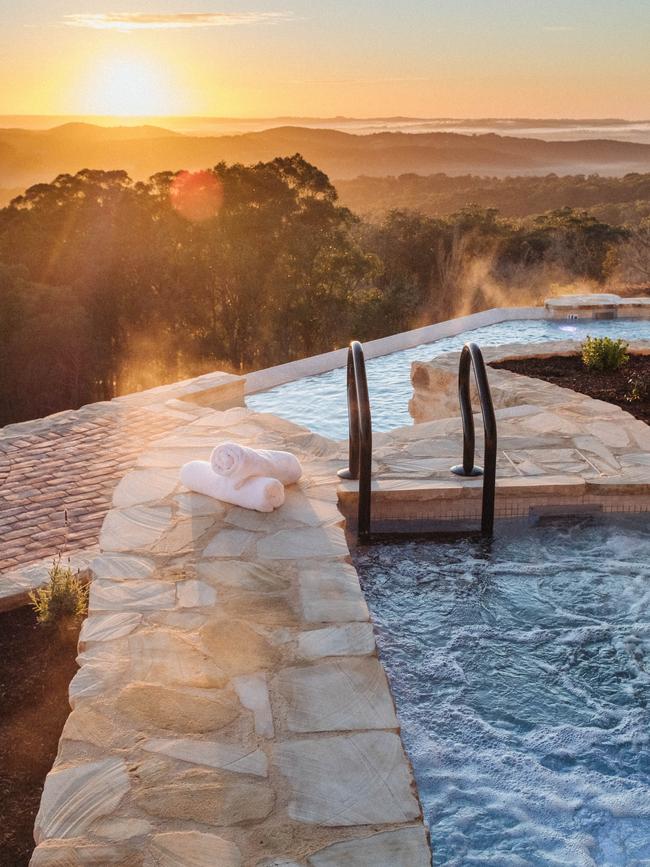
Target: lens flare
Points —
{"points": [[197, 196]]}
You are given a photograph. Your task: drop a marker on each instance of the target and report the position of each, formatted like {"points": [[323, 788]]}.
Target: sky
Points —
{"points": [[359, 58]]}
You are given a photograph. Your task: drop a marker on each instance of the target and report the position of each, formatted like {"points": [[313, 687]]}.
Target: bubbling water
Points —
{"points": [[521, 675]]}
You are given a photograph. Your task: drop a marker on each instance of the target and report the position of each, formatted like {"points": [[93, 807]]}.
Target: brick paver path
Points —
{"points": [[57, 478]]}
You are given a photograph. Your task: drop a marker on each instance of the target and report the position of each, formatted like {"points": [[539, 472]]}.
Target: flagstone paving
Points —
{"points": [[230, 707]]}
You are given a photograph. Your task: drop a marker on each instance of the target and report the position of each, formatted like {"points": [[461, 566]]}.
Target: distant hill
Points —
{"points": [[615, 199], [30, 156]]}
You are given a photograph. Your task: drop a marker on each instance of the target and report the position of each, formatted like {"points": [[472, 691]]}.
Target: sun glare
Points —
{"points": [[128, 86]]}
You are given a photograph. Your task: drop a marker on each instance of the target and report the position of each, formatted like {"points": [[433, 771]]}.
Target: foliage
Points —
{"points": [[604, 354], [615, 200], [64, 596], [106, 288]]}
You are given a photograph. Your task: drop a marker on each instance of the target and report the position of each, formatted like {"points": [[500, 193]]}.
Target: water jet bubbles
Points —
{"points": [[197, 196]]}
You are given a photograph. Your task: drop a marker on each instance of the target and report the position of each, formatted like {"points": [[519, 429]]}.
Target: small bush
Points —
{"points": [[604, 354], [64, 596]]}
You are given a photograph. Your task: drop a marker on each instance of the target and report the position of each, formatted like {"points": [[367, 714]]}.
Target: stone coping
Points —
{"points": [[261, 380], [597, 305], [229, 707], [556, 447]]}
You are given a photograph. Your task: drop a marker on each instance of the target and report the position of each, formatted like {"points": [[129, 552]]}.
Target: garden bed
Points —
{"points": [[569, 372], [36, 667]]}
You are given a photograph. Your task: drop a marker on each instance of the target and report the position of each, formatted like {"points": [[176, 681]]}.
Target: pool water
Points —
{"points": [[320, 403], [521, 674]]}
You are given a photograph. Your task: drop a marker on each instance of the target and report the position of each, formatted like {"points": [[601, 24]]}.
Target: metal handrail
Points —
{"points": [[360, 441], [471, 356]]}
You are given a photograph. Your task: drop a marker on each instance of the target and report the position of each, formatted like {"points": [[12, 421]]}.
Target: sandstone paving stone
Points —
{"points": [[107, 627], [137, 528], [185, 536], [185, 619], [242, 575], [229, 543], [180, 710], [173, 458], [191, 849], [253, 692], [189, 504], [195, 594], [304, 510], [237, 759], [122, 566], [404, 847], [89, 682], [609, 433], [330, 593], [268, 609], [138, 595], [208, 799], [351, 639], [167, 658], [307, 543], [144, 486], [237, 647], [87, 724], [355, 779], [338, 695], [74, 797], [119, 828], [81, 853]]}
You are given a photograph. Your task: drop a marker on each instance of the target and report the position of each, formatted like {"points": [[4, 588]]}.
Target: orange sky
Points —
{"points": [[296, 57]]}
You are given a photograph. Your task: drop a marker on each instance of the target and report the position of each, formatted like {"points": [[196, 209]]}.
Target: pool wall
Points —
{"points": [[435, 382], [261, 380], [596, 306]]}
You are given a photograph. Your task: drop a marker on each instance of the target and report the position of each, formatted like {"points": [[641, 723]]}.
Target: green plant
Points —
{"points": [[604, 354], [637, 390], [65, 595]]}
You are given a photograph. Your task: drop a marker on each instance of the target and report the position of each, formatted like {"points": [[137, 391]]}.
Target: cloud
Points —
{"points": [[168, 20]]}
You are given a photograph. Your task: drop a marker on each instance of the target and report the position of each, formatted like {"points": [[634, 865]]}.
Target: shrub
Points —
{"points": [[604, 354], [64, 596]]}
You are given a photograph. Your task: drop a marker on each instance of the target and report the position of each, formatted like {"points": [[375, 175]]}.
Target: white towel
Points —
{"points": [[239, 463], [261, 494]]}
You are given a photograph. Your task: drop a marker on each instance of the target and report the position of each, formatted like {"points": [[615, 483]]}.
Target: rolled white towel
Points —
{"points": [[261, 494], [239, 463]]}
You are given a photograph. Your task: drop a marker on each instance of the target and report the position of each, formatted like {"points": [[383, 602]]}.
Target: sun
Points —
{"points": [[126, 86]]}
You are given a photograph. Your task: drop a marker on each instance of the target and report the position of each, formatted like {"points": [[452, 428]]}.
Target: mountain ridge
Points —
{"points": [[31, 156]]}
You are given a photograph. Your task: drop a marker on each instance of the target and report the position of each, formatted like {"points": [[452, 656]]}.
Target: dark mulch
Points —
{"points": [[569, 372], [36, 667]]}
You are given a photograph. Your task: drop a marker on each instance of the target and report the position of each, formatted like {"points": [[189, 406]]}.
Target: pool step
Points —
{"points": [[459, 500]]}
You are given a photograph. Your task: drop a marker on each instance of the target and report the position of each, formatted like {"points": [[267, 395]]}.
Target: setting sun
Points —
{"points": [[129, 86]]}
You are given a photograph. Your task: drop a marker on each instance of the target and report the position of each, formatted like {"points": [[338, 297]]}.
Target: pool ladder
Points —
{"points": [[360, 434]]}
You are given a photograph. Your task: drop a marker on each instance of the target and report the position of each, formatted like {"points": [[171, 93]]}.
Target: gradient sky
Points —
{"points": [[456, 58]]}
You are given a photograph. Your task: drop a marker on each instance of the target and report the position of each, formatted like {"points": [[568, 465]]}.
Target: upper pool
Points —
{"points": [[319, 402]]}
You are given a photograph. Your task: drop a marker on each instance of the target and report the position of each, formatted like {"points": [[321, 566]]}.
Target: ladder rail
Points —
{"points": [[360, 437], [472, 358]]}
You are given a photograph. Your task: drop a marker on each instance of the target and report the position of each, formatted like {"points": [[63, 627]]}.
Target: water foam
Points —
{"points": [[522, 683]]}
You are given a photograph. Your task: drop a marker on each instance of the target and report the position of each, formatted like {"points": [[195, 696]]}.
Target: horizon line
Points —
{"points": [[257, 118]]}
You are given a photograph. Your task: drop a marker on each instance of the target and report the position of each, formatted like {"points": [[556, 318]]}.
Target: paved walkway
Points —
{"points": [[230, 709]]}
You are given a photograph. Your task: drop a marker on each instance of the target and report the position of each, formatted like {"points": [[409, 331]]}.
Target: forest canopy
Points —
{"points": [[106, 285]]}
